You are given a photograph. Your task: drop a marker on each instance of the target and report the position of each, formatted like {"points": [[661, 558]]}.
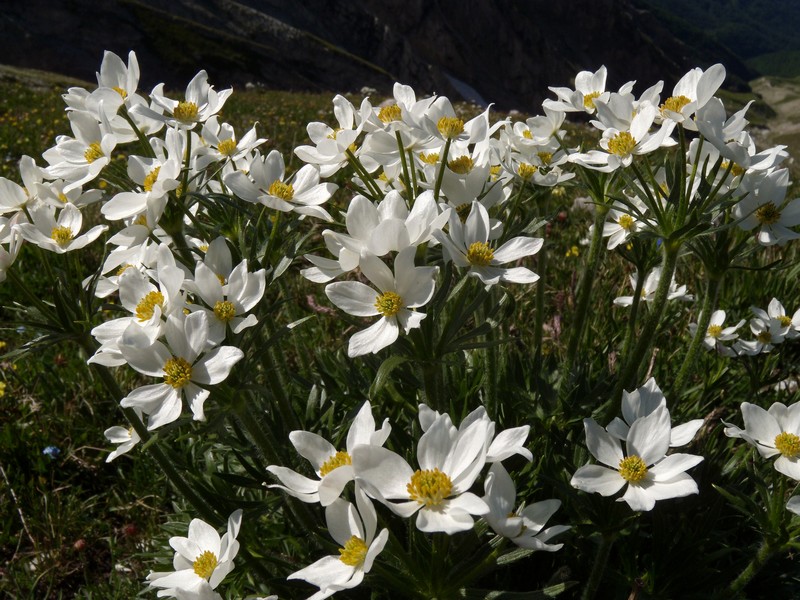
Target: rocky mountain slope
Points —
{"points": [[503, 51]]}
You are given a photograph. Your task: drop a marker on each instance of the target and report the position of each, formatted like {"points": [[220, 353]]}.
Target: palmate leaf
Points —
{"points": [[548, 592]]}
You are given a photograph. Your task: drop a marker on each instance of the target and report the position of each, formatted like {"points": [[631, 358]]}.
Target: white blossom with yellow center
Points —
{"points": [[333, 466], [437, 492]]}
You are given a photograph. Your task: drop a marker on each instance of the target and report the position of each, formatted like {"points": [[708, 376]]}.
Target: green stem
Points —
{"points": [[406, 178], [765, 552], [442, 167], [585, 287], [634, 360], [364, 174], [599, 567], [538, 330], [635, 304], [709, 302]]}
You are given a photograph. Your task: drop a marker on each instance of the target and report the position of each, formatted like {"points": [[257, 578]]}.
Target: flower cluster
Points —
{"points": [[450, 460]]}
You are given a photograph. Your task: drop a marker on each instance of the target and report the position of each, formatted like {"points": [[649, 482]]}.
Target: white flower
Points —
{"points": [[60, 234], [691, 93], [589, 87], [200, 103], [523, 526], [716, 335], [201, 558], [377, 230], [649, 289], [449, 460], [620, 146], [499, 447], [650, 475], [794, 505], [622, 222], [181, 366], [766, 209], [773, 432], [125, 438], [468, 246], [644, 401], [334, 468], [265, 184], [409, 287], [354, 530], [228, 303]]}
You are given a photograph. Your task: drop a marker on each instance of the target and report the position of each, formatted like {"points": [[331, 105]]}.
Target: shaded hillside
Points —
{"points": [[503, 51], [763, 33]]}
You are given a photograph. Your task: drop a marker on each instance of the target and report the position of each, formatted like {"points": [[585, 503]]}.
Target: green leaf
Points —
{"points": [[382, 376]]}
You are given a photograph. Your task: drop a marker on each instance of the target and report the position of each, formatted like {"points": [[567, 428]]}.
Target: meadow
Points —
{"points": [[542, 346]]}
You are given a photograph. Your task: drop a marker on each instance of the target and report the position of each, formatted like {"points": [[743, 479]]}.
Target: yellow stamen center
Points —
{"points": [[526, 171], [389, 304], [224, 310], [354, 552], [147, 305], [480, 254], [461, 165], [429, 159], [227, 147], [495, 171], [765, 337], [450, 127], [714, 331], [185, 112], [141, 220], [120, 91], [527, 134], [429, 487], [785, 320], [626, 222], [62, 235], [151, 178], [284, 191], [675, 103], [788, 444], [545, 157], [332, 135], [124, 268], [390, 113], [340, 459], [177, 373], [63, 197], [205, 564], [632, 469], [768, 214], [93, 152], [588, 100], [621, 144], [463, 211]]}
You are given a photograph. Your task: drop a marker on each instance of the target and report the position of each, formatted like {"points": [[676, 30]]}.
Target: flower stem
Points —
{"points": [[765, 552], [599, 567], [538, 333], [634, 360], [709, 302], [585, 287], [442, 167]]}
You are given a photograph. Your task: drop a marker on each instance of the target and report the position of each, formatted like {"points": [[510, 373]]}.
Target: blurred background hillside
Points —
{"points": [[501, 51]]}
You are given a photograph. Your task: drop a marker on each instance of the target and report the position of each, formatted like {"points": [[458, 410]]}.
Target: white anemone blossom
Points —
{"points": [[450, 462], [202, 560], [644, 468], [409, 287], [467, 245], [354, 530], [184, 366], [266, 184], [644, 401], [523, 526], [773, 432], [333, 467]]}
